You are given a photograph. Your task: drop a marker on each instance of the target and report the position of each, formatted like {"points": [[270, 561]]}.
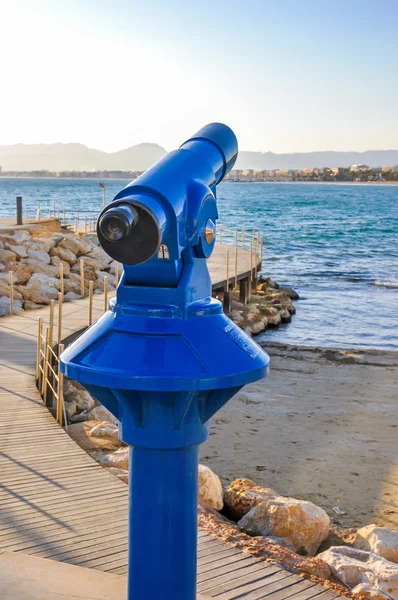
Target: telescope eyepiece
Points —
{"points": [[129, 231], [117, 223]]}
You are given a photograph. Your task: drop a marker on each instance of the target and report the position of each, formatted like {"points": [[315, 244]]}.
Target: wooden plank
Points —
{"points": [[95, 532], [216, 580], [44, 535], [229, 569], [224, 553], [220, 562], [301, 590], [258, 579], [259, 588], [32, 521]]}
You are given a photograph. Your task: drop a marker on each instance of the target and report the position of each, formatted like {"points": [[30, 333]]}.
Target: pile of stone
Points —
{"points": [[369, 567], [35, 263], [269, 307]]}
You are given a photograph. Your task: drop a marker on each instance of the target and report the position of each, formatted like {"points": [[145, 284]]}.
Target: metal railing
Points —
{"points": [[240, 239], [48, 372], [49, 378]]}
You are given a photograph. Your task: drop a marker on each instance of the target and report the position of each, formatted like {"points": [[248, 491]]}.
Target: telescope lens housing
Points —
{"points": [[129, 232], [117, 222]]}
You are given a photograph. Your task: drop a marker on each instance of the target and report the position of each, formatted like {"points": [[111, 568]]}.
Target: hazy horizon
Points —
{"points": [[286, 77], [152, 143], [78, 157]]}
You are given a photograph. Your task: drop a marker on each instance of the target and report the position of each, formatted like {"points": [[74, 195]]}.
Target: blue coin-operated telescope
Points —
{"points": [[164, 358]]}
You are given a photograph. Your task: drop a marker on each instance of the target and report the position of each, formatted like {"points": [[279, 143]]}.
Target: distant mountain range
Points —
{"points": [[77, 157]]}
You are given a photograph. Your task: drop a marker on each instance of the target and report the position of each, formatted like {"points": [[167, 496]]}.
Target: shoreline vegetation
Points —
{"points": [[354, 174]]}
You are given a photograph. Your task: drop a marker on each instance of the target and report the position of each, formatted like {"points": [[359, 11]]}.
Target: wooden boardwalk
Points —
{"points": [[56, 502]]}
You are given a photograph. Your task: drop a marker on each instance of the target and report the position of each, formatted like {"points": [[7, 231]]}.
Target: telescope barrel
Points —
{"points": [[224, 139], [150, 210]]}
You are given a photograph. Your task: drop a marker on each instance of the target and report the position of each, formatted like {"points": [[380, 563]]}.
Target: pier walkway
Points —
{"points": [[57, 503]]}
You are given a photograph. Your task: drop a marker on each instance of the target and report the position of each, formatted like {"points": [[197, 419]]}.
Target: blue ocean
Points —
{"points": [[336, 244]]}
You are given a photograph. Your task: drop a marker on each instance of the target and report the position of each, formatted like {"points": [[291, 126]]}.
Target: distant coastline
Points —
{"points": [[353, 174], [131, 177]]}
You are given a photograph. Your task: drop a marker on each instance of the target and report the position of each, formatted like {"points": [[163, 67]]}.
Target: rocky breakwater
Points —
{"points": [[34, 258], [268, 307], [367, 566]]}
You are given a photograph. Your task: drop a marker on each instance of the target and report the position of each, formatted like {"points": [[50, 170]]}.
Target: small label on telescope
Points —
{"points": [[163, 252], [246, 343]]}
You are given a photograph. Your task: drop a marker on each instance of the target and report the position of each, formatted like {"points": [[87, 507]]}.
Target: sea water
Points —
{"points": [[336, 244]]}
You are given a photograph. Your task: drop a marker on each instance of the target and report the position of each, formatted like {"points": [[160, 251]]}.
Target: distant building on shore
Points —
{"points": [[359, 168]]}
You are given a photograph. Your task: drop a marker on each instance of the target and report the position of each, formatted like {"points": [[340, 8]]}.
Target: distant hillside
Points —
{"points": [[77, 157], [302, 160]]}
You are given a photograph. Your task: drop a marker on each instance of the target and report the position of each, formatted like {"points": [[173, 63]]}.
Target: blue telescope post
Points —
{"points": [[164, 358]]}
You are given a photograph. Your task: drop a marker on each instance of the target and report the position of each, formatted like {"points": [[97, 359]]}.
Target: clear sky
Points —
{"points": [[286, 75]]}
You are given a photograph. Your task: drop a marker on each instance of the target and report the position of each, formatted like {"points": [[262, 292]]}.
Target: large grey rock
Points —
{"points": [[90, 238], [99, 284], [21, 272], [88, 271], [273, 315], [76, 245], [210, 488], [81, 433], [293, 295], [5, 287], [83, 400], [20, 251], [38, 255], [112, 268], [57, 237], [117, 458], [72, 284], [70, 409], [43, 244], [5, 305], [28, 305], [99, 257], [42, 281], [243, 494], [100, 413], [266, 283], [368, 592], [354, 567], [64, 254], [16, 238], [71, 386], [36, 266], [56, 262], [379, 540], [302, 523], [7, 256], [39, 295], [70, 296]]}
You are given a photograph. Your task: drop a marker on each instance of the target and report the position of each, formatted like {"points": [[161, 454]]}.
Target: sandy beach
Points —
{"points": [[323, 426]]}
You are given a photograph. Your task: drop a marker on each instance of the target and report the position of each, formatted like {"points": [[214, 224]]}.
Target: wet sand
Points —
{"points": [[323, 427]]}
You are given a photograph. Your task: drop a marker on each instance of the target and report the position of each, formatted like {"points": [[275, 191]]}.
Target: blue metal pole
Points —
{"points": [[163, 524], [165, 358]]}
